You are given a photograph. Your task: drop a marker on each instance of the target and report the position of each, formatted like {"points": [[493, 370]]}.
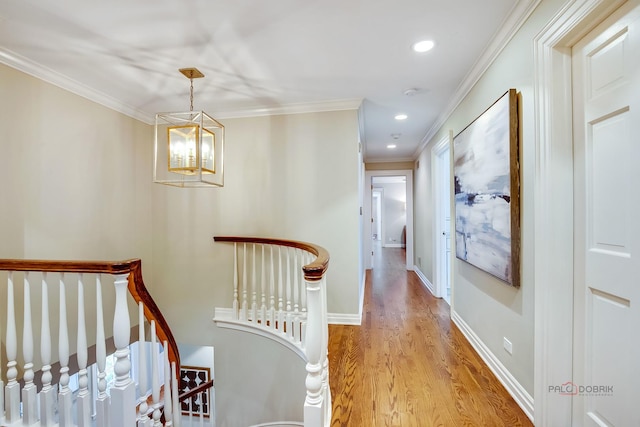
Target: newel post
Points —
{"points": [[123, 393], [314, 403]]}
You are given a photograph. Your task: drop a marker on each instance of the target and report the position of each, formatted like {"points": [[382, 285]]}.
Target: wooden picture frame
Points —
{"points": [[190, 378], [487, 190]]}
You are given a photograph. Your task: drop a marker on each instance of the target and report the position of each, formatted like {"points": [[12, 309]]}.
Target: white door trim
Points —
{"points": [[368, 175], [436, 180], [553, 215]]}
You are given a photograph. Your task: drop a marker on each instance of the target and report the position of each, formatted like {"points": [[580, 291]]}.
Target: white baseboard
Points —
{"points": [[226, 314], [515, 389], [280, 424], [344, 319], [424, 280]]}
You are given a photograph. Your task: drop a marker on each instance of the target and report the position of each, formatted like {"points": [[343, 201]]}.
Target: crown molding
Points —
{"points": [[390, 160], [55, 78], [13, 60], [510, 26], [309, 107]]}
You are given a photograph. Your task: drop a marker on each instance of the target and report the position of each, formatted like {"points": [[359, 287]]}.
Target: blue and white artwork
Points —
{"points": [[483, 192]]}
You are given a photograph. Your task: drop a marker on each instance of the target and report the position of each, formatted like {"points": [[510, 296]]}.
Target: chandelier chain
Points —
{"points": [[191, 95]]}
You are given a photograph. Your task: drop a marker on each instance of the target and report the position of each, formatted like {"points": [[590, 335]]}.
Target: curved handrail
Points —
{"points": [[312, 272], [136, 287]]}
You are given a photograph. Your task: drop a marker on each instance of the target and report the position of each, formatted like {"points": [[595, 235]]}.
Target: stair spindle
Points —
{"points": [[174, 395], [168, 412], [155, 383], [83, 401], [289, 322], [29, 393], [143, 407], [123, 392], [47, 394], [1, 385], [12, 390], [297, 271], [102, 400], [263, 290], [254, 284], [280, 292], [235, 281], [272, 290], [244, 283], [65, 403]]}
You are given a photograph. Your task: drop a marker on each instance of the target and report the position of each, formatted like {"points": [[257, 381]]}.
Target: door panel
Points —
{"points": [[607, 231]]}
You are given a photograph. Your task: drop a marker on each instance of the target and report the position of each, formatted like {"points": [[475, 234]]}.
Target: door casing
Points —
{"points": [[553, 213]]}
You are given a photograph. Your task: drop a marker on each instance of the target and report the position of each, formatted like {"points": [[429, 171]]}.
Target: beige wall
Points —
{"points": [[292, 177], [76, 183], [490, 307]]}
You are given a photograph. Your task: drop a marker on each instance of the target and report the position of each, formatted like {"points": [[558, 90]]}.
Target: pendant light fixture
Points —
{"points": [[189, 146]]}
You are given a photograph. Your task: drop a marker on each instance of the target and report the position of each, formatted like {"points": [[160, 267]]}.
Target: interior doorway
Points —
{"points": [[441, 170], [376, 215], [395, 213]]}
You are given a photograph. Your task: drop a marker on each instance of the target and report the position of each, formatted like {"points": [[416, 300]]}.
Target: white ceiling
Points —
{"points": [[263, 56]]}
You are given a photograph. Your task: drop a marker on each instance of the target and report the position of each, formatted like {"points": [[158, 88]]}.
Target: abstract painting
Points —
{"points": [[487, 191]]}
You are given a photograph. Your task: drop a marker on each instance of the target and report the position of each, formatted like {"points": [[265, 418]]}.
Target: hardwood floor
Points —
{"points": [[407, 364]]}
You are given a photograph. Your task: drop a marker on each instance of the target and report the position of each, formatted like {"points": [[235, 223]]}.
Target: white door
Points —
{"points": [[444, 203], [606, 84]]}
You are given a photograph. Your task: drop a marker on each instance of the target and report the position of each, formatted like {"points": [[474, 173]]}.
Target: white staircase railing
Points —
{"points": [[91, 401], [279, 290]]}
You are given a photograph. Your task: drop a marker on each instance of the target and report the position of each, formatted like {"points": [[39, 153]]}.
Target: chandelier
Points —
{"points": [[189, 146]]}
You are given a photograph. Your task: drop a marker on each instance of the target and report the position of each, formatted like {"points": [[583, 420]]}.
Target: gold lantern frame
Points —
{"points": [[188, 146]]}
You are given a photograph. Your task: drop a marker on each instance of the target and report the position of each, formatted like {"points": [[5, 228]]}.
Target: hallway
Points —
{"points": [[407, 364]]}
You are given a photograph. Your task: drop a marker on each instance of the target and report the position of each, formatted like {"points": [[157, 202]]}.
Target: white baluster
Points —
{"points": [[235, 281], [29, 394], [48, 393], [168, 412], [143, 408], [306, 260], [263, 290], [244, 284], [83, 400], [313, 406], [155, 384], [102, 401], [174, 394], [296, 296], [123, 392], [64, 392], [272, 291], [1, 385], [201, 406], [280, 292], [12, 390], [288, 312], [254, 296]]}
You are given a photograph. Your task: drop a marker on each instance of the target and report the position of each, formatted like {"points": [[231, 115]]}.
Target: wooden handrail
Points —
{"points": [[312, 272], [136, 287], [202, 387]]}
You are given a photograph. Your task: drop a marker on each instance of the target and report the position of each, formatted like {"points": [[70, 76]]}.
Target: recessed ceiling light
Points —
{"points": [[391, 146], [423, 46], [401, 117]]}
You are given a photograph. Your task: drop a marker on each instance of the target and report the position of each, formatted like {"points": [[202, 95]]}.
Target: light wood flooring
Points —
{"points": [[407, 364]]}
